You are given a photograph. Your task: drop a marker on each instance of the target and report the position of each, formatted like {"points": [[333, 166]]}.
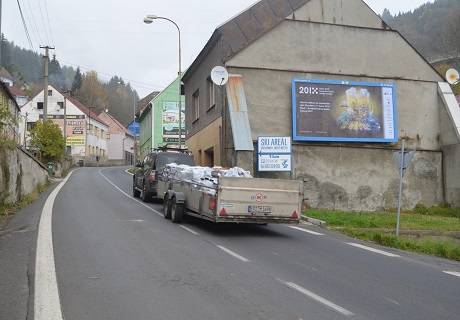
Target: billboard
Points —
{"points": [[343, 111], [171, 122], [75, 130]]}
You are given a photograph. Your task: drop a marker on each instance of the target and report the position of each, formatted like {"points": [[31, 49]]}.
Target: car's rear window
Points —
{"points": [[180, 158]]}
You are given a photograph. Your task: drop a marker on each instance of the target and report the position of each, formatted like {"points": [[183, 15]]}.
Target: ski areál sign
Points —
{"points": [[274, 154]]}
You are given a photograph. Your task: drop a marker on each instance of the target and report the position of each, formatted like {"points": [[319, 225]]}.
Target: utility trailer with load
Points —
{"points": [[231, 199]]}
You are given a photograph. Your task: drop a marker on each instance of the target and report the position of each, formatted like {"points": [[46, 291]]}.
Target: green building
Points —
{"points": [[159, 120]]}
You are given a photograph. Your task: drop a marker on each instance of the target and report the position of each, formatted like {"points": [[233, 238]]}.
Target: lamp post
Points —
{"points": [[148, 20]]}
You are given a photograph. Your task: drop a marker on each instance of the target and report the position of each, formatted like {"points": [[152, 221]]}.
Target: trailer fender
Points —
{"points": [[179, 196]]}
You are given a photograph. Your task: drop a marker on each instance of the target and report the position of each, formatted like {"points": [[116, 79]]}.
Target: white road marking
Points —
{"points": [[233, 254], [318, 298], [127, 195], [388, 254], [131, 174], [392, 301], [47, 304], [307, 231], [452, 273], [189, 230]]}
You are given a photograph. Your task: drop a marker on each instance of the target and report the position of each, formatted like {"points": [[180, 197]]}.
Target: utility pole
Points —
{"points": [[45, 86], [135, 136]]}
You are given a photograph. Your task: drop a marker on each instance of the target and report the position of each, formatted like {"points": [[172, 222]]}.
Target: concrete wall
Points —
{"points": [[452, 174], [345, 176], [20, 175], [339, 12], [335, 49]]}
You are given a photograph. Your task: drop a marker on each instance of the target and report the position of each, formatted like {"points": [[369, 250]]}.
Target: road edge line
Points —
{"points": [[232, 253], [47, 303]]}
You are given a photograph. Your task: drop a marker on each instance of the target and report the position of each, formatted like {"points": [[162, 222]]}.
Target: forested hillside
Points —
{"points": [[433, 28], [27, 68]]}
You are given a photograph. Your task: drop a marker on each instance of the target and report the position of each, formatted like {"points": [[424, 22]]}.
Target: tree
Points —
{"points": [[93, 92], [77, 81], [55, 74], [47, 137], [386, 16]]}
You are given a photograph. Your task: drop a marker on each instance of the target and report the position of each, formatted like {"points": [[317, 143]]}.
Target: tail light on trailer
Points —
{"points": [[295, 215], [212, 203], [223, 212]]}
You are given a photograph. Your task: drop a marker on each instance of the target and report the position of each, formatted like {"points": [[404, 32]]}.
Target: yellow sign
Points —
{"points": [[75, 141]]}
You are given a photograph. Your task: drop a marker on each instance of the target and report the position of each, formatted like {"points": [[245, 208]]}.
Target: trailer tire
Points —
{"points": [[166, 208], [136, 193], [177, 211]]}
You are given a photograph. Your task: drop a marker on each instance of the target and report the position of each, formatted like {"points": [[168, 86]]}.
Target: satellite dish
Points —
{"points": [[219, 76], [452, 76]]}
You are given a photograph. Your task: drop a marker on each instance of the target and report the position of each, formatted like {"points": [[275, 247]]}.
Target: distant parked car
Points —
{"points": [[145, 180]]}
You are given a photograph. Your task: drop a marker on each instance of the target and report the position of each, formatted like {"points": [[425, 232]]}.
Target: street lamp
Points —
{"points": [[148, 20]]}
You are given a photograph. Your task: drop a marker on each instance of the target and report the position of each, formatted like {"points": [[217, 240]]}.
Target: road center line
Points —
{"points": [[307, 231], [189, 230], [453, 273], [388, 254], [318, 298], [127, 195], [47, 304], [233, 254]]}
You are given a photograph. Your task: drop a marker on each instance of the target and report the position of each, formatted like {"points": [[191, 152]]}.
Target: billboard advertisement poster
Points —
{"points": [[171, 121], [344, 111], [275, 162], [75, 130]]}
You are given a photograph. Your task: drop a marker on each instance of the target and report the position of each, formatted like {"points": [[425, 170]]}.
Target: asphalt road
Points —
{"points": [[117, 258]]}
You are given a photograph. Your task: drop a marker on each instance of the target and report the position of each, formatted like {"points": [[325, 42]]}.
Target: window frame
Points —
{"points": [[196, 105]]}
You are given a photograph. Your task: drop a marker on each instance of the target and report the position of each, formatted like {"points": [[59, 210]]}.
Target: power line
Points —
{"points": [[48, 19], [43, 21], [38, 37], [137, 83], [25, 26]]}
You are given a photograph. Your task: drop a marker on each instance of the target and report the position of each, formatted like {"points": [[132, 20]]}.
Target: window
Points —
{"points": [[211, 93], [61, 105], [40, 105], [196, 105], [50, 93]]}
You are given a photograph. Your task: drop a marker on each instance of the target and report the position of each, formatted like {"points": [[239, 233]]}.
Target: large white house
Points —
{"points": [[86, 133]]}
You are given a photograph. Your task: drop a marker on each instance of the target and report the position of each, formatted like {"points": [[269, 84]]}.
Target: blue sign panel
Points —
{"points": [[344, 111]]}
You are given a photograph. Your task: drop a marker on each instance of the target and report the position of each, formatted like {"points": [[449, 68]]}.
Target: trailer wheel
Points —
{"points": [[136, 193], [166, 208], [177, 211]]}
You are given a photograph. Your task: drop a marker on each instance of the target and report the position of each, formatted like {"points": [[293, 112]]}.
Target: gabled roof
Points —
{"points": [[15, 91], [87, 111], [118, 123], [144, 102], [248, 26], [5, 74], [6, 88]]}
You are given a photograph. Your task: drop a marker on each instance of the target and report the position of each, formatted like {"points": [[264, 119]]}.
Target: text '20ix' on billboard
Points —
{"points": [[342, 111]]}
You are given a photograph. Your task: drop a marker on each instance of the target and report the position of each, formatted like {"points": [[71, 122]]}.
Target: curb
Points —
{"points": [[316, 222]]}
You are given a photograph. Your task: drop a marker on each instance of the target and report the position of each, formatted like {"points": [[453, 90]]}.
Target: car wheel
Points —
{"points": [[177, 211], [166, 208]]}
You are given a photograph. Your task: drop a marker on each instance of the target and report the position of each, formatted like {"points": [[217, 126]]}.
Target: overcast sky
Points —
{"points": [[109, 36]]}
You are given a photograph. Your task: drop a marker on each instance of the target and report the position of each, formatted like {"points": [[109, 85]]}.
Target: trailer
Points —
{"points": [[233, 200]]}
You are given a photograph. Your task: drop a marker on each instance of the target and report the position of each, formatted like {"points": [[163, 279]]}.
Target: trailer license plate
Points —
{"points": [[259, 210]]}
